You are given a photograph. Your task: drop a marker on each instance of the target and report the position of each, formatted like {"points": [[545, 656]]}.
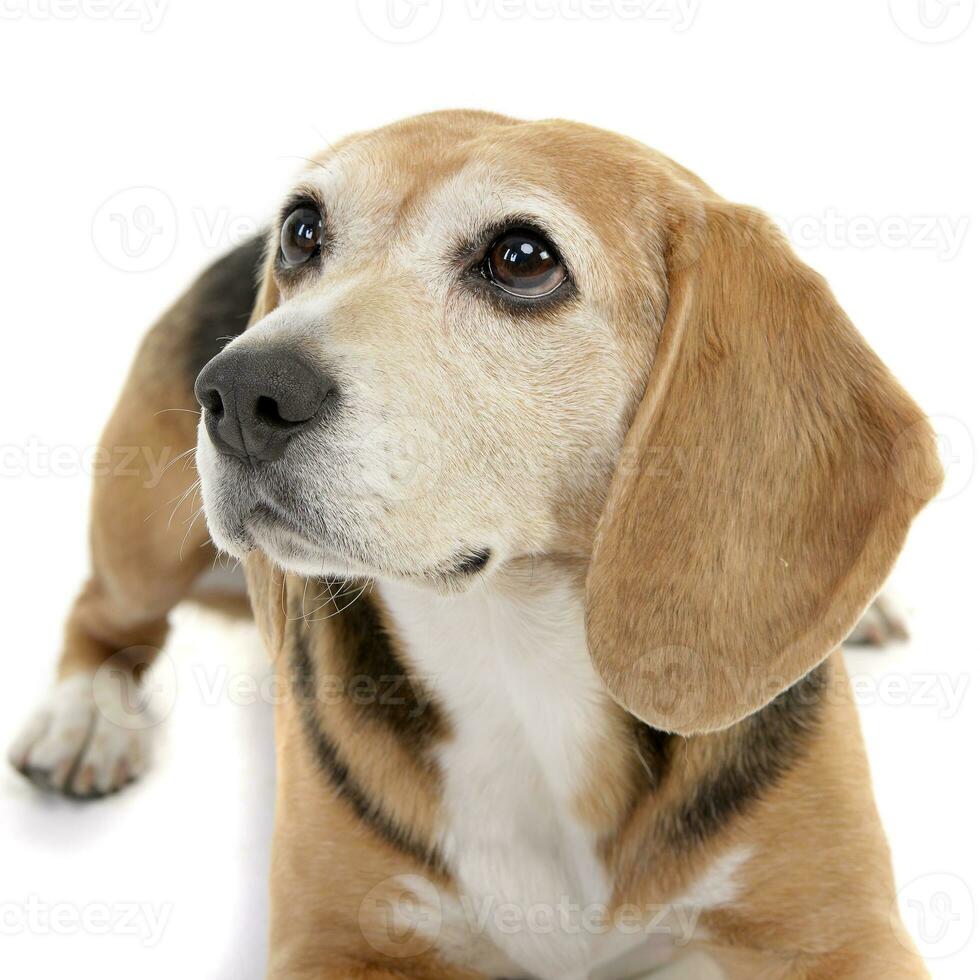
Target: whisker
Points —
{"points": [[302, 602], [183, 455], [190, 524], [184, 497], [367, 584]]}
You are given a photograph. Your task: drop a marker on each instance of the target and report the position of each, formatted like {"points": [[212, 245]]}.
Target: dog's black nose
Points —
{"points": [[255, 401]]}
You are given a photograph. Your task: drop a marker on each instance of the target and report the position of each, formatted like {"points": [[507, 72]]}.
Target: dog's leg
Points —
{"points": [[866, 963], [882, 952], [148, 546], [92, 733]]}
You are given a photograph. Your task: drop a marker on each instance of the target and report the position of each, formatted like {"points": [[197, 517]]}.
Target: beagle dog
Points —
{"points": [[558, 481]]}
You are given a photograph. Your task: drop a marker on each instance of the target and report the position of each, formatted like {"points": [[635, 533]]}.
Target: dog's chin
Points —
{"points": [[245, 514], [294, 551]]}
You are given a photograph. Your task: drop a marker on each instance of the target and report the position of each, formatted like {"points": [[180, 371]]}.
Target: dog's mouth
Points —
{"points": [[287, 537], [289, 545]]}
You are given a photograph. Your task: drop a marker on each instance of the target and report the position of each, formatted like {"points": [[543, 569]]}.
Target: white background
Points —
{"points": [[853, 123]]}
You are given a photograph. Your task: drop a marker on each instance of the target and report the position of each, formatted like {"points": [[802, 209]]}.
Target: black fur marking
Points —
{"points": [[653, 748], [327, 753], [374, 680], [763, 749], [222, 299]]}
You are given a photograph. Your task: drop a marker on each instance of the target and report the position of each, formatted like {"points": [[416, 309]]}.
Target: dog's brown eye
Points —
{"points": [[524, 264], [301, 235]]}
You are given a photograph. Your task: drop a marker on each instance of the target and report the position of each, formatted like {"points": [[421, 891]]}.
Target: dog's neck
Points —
{"points": [[508, 664], [531, 735], [523, 625], [510, 768], [525, 615], [537, 605], [516, 643]]}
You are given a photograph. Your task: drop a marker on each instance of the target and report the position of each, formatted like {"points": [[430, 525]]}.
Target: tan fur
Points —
{"points": [[818, 904], [147, 541], [702, 440], [798, 465], [802, 463]]}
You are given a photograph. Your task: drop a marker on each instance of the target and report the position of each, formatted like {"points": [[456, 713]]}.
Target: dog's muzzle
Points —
{"points": [[255, 401]]}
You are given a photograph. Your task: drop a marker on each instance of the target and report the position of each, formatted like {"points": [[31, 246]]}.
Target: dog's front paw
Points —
{"points": [[89, 738]]}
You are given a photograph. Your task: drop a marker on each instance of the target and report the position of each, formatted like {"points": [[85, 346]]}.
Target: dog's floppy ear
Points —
{"points": [[267, 298], [764, 489]]}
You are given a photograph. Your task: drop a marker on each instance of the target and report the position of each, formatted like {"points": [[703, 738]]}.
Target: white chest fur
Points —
{"points": [[512, 672], [510, 668]]}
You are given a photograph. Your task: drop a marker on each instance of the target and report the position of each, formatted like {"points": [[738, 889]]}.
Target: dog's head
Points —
{"points": [[479, 340]]}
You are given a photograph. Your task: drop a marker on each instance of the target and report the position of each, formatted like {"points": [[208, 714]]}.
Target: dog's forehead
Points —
{"points": [[457, 172], [449, 162]]}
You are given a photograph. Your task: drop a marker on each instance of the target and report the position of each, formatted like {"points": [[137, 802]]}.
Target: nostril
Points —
{"points": [[213, 403], [254, 402], [267, 409]]}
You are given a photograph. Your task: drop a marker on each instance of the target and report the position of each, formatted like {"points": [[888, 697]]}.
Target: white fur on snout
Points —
{"points": [[75, 743], [460, 426]]}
